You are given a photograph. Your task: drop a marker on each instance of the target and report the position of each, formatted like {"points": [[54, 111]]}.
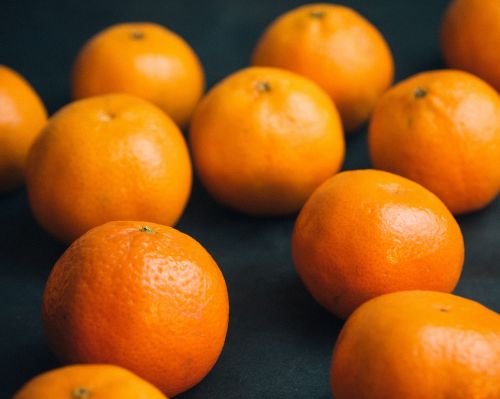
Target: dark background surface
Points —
{"points": [[279, 341]]}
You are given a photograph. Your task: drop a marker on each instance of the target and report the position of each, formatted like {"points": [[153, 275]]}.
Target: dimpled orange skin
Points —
{"points": [[442, 130], [470, 38], [338, 49], [418, 345], [143, 59], [88, 381], [110, 157], [22, 117], [365, 233], [142, 296], [263, 139]]}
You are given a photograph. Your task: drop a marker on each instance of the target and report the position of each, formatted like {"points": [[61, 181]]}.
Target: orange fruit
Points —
{"points": [[442, 130], [22, 117], [142, 296], [470, 38], [88, 382], [418, 345], [365, 233], [263, 139], [338, 49], [107, 158], [143, 59]]}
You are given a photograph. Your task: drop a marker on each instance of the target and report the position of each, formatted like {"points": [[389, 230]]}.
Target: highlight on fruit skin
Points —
{"points": [[264, 138], [418, 345], [22, 118], [87, 382], [337, 48], [364, 233], [143, 59], [142, 296], [441, 129]]}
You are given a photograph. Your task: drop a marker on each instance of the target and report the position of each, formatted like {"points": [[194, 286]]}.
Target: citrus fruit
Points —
{"points": [[142, 296], [143, 59], [106, 158], [365, 233], [470, 38], [418, 345], [442, 130], [88, 382], [337, 48], [263, 139], [22, 117]]}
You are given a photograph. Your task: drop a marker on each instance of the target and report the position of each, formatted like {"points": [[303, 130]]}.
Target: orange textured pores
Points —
{"points": [[338, 49], [22, 117], [418, 345], [442, 130], [142, 296], [112, 157], [365, 233], [88, 382], [470, 38], [264, 138], [143, 59]]}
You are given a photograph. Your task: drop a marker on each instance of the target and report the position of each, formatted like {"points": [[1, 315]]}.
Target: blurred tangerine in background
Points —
{"points": [[470, 38], [22, 117], [338, 49], [442, 130], [143, 59]]}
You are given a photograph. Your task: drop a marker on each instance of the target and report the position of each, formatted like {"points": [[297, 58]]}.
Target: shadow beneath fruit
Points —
{"points": [[27, 254], [276, 329], [25, 247], [24, 364], [479, 280]]}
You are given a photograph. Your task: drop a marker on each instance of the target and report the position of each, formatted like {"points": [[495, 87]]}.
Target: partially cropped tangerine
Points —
{"points": [[418, 345], [264, 138], [366, 233], [22, 118], [142, 296], [143, 59], [338, 49], [88, 382], [106, 158], [470, 38]]}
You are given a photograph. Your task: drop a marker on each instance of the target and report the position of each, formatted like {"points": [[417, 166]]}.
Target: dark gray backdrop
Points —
{"points": [[279, 341]]}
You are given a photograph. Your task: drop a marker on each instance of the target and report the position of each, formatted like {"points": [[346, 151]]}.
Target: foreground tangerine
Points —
{"points": [[22, 117], [143, 59], [442, 130], [264, 138], [365, 233], [418, 345], [106, 158], [142, 296], [338, 49], [470, 37], [88, 382]]}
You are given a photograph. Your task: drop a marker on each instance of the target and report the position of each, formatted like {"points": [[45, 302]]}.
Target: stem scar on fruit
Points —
{"points": [[419, 93], [137, 35], [80, 393], [317, 14], [107, 116], [263, 86], [146, 229]]}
